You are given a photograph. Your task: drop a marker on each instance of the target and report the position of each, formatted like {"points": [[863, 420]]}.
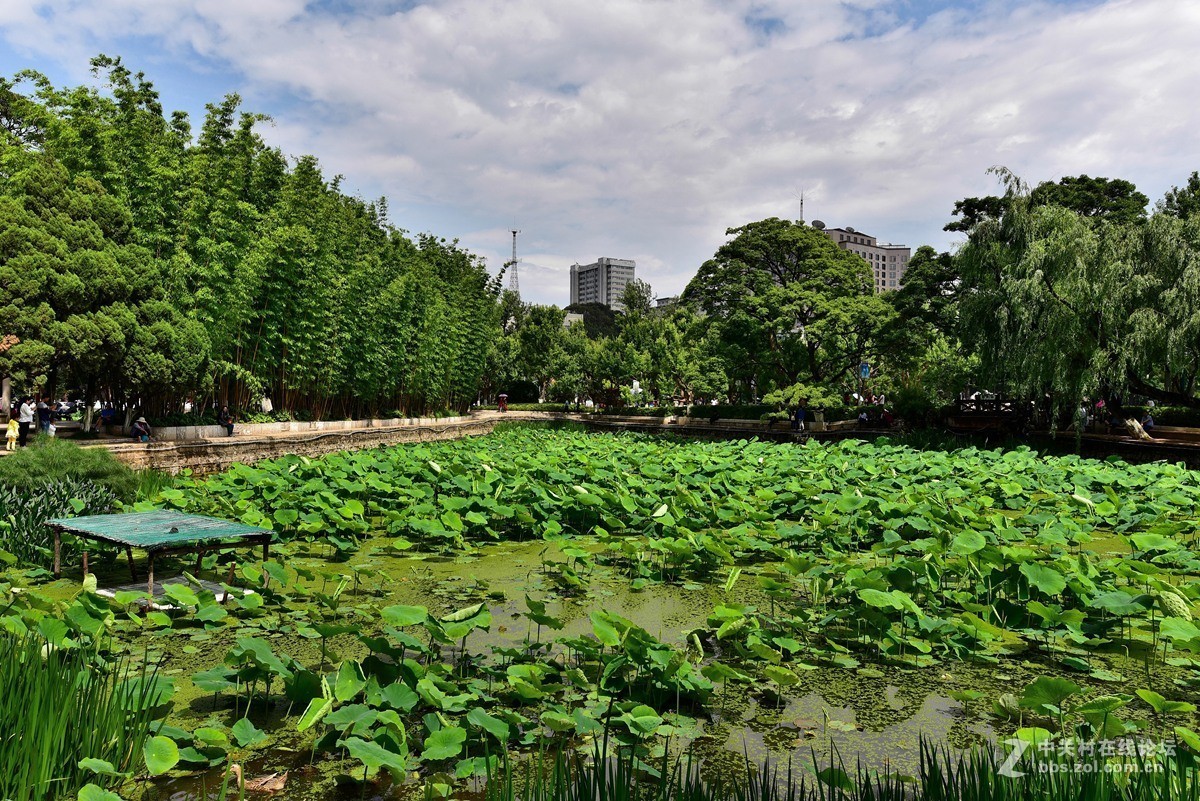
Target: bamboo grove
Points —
{"points": [[144, 264]]}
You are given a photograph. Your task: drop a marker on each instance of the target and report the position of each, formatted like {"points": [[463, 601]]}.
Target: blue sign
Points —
{"points": [[864, 370]]}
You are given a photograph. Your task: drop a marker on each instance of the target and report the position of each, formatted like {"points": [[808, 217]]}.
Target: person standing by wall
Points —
{"points": [[25, 420], [45, 415]]}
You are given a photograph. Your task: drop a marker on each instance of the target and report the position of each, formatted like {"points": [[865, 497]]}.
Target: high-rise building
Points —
{"points": [[603, 281], [888, 262]]}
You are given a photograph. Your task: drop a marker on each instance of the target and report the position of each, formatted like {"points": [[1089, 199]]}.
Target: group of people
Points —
{"points": [[21, 420], [30, 412], [1113, 415]]}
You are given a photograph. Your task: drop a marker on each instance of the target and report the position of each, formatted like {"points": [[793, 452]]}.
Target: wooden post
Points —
{"points": [[266, 548], [132, 569], [150, 580], [228, 584], [85, 563], [57, 551], [199, 561]]}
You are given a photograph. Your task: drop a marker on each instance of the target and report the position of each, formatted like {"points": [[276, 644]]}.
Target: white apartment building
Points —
{"points": [[603, 281], [888, 262]]}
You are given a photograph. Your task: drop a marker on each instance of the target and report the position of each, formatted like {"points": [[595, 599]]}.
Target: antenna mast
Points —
{"points": [[513, 283]]}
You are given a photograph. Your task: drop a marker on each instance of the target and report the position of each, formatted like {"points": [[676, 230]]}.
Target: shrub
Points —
{"points": [[24, 512], [50, 459], [731, 412], [526, 407], [648, 411]]}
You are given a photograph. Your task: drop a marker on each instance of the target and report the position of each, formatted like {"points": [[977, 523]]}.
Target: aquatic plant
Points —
{"points": [[69, 716]]}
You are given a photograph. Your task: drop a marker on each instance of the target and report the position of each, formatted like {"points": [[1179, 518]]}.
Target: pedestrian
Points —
{"points": [[503, 402], [45, 415], [800, 417], [25, 417], [225, 420], [1148, 421], [887, 417], [13, 433], [140, 430]]}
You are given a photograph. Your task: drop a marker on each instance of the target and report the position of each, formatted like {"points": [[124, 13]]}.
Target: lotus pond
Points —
{"points": [[432, 606]]}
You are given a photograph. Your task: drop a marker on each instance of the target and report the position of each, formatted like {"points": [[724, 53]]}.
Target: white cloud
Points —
{"points": [[645, 128]]}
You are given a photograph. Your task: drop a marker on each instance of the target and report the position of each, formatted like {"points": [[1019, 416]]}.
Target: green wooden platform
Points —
{"points": [[159, 532]]}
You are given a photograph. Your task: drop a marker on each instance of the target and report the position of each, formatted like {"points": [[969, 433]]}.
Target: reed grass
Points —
{"points": [[943, 776], [58, 707]]}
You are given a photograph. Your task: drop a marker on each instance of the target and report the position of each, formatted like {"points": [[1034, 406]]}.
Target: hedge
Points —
{"points": [[731, 412], [644, 411]]}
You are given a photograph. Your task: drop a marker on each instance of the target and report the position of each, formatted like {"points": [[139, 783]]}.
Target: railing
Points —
{"points": [[993, 405]]}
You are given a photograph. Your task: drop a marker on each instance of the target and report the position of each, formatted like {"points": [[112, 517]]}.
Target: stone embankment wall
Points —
{"points": [[217, 451]]}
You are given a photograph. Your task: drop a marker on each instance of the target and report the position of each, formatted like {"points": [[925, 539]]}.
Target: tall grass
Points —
{"points": [[58, 707], [942, 776], [150, 482]]}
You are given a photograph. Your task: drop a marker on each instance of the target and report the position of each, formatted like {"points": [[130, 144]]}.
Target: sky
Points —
{"points": [[644, 129]]}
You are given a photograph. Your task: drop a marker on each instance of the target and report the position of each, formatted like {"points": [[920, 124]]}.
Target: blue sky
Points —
{"points": [[644, 128]]}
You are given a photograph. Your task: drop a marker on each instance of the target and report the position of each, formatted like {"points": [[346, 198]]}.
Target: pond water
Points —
{"points": [[874, 716]]}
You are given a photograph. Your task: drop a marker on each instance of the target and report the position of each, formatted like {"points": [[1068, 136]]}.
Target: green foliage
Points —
{"points": [[730, 412], [148, 265], [63, 702], [942, 775], [1182, 202], [1110, 200], [787, 305], [50, 459], [808, 395], [1182, 416], [1062, 304], [23, 513], [831, 557]]}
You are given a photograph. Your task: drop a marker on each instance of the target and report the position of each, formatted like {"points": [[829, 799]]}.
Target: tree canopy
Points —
{"points": [[146, 266], [787, 305]]}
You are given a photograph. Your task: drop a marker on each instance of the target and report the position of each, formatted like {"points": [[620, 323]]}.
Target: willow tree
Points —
{"points": [[1059, 303]]}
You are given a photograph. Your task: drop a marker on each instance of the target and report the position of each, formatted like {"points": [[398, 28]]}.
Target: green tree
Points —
{"points": [[1112, 200], [1182, 202], [788, 306], [1061, 305], [1101, 199]]}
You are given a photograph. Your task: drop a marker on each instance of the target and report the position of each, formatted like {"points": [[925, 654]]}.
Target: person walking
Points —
{"points": [[25, 421], [503, 404], [225, 420], [13, 432], [800, 417]]}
